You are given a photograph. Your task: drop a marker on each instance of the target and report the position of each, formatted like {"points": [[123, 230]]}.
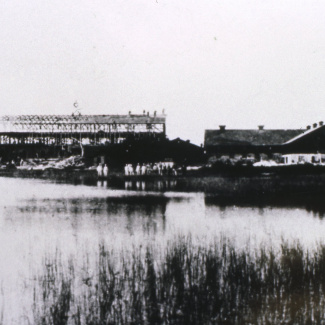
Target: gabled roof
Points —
{"points": [[306, 132], [249, 137]]}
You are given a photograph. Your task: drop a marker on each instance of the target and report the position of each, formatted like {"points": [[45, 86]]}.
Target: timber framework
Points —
{"points": [[82, 129]]}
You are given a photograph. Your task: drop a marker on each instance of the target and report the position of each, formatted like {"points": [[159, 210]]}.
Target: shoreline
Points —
{"points": [[228, 182]]}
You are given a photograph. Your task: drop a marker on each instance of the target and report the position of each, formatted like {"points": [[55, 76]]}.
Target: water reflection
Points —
{"points": [[159, 185], [311, 202], [144, 214], [38, 218], [139, 185]]}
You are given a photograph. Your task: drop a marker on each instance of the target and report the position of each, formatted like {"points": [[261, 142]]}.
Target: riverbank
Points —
{"points": [[227, 182]]}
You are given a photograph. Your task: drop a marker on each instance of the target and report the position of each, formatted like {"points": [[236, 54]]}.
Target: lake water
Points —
{"points": [[39, 219]]}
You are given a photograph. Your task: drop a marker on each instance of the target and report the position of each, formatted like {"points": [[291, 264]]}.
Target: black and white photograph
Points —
{"points": [[162, 162]]}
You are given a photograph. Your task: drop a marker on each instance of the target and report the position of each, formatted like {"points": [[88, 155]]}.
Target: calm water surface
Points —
{"points": [[40, 218]]}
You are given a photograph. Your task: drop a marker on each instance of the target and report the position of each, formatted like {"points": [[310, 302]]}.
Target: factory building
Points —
{"points": [[264, 142], [115, 139], [85, 129]]}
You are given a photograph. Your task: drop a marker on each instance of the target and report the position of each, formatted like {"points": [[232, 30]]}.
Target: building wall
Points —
{"points": [[303, 158], [269, 142]]}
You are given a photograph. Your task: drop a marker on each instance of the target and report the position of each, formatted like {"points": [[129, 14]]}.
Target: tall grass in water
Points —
{"points": [[190, 284], [53, 294]]}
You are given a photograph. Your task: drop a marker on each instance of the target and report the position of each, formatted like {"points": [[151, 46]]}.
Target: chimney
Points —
{"points": [[222, 127], [261, 127], [308, 127], [144, 112], [321, 123], [154, 113], [129, 112], [147, 113], [315, 125]]}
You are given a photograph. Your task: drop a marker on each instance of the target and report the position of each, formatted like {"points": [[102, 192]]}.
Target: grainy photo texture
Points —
{"points": [[162, 162]]}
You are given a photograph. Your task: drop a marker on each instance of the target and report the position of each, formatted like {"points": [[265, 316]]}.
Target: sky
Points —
{"points": [[237, 63]]}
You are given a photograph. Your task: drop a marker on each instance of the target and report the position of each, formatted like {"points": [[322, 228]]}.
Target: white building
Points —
{"points": [[304, 158]]}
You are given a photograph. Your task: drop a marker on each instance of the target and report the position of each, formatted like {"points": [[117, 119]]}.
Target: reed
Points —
{"points": [[189, 284], [53, 295]]}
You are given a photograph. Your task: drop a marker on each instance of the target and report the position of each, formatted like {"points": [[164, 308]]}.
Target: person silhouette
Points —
{"points": [[99, 171], [105, 171]]}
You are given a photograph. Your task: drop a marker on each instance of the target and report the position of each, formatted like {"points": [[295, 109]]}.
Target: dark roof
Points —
{"points": [[85, 119], [306, 133], [249, 137]]}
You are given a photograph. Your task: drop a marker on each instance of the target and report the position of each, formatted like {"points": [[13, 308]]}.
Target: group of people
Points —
{"points": [[161, 168], [150, 169], [102, 171]]}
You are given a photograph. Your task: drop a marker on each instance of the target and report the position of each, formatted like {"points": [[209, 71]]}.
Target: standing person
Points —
{"points": [[126, 170], [105, 171], [144, 169], [159, 169], [138, 169], [99, 171], [149, 169], [131, 169]]}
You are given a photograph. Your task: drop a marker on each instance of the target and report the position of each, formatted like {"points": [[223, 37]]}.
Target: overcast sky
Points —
{"points": [[239, 63]]}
